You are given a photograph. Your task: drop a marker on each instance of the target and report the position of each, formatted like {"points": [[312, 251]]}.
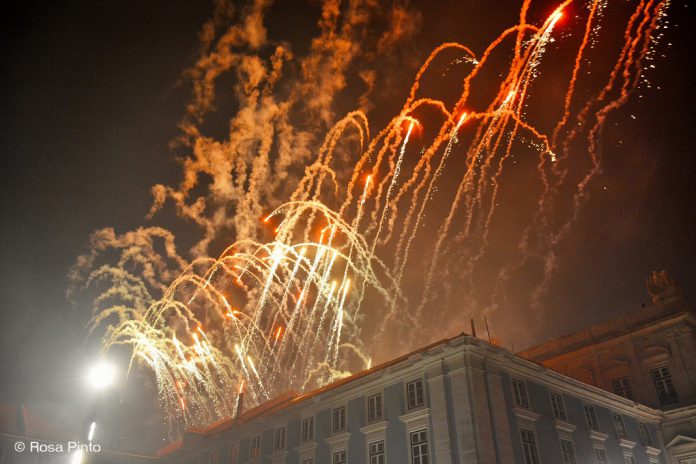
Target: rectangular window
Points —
{"points": [[629, 459], [622, 387], [339, 457], [600, 456], [255, 447], [214, 457], [279, 440], [520, 392], [419, 447], [529, 448], [233, 454], [414, 391], [662, 379], [567, 452], [308, 461], [308, 429], [339, 419], [374, 407], [558, 407], [645, 438], [619, 426], [591, 417], [377, 452]]}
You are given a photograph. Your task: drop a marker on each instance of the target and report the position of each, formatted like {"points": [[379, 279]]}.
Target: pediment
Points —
{"points": [[680, 440]]}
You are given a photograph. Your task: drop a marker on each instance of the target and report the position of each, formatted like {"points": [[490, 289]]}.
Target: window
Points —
{"points": [[214, 457], [377, 452], [567, 452], [520, 392], [619, 426], [308, 461], [591, 417], [600, 456], [664, 386], [628, 459], [529, 447], [255, 447], [339, 419], [279, 440], [339, 457], [419, 447], [558, 407], [622, 387], [308, 429], [645, 439], [414, 391], [233, 454], [374, 407]]}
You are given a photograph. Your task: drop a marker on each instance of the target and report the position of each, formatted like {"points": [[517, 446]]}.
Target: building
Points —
{"points": [[461, 400], [648, 356]]}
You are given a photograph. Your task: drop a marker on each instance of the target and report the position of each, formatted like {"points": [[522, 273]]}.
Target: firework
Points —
{"points": [[267, 316]]}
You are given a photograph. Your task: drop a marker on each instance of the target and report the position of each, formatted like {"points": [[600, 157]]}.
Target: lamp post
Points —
{"points": [[100, 377]]}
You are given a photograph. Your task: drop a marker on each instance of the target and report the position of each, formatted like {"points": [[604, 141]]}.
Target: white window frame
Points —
{"points": [[418, 459], [233, 454], [307, 429], [530, 452], [338, 454], [519, 393], [255, 446], [373, 458], [597, 460], [621, 386], [666, 381], [279, 438], [560, 407], [567, 453], [619, 425], [591, 418], [418, 395], [342, 414], [378, 412]]}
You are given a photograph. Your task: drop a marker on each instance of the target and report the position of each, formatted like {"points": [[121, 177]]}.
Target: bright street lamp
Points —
{"points": [[101, 375]]}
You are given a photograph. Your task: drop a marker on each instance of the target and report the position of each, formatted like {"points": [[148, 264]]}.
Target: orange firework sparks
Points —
{"points": [[369, 225]]}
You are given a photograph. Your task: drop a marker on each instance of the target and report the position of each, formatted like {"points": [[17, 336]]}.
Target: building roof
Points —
{"points": [[665, 311], [287, 399]]}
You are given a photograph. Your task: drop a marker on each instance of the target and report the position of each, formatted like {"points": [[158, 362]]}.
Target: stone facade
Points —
{"points": [[461, 400], [648, 356]]}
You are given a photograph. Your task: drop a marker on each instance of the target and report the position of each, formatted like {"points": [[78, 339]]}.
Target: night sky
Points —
{"points": [[91, 99]]}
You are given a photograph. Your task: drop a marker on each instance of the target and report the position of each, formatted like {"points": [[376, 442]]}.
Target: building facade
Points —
{"points": [[648, 357], [461, 400]]}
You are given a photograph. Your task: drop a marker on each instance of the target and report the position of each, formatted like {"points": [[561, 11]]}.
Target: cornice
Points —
{"points": [[598, 437], [526, 414], [563, 426], [374, 427], [338, 439], [627, 444]]}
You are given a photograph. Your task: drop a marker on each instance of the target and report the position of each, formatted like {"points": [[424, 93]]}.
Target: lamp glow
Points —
{"points": [[92, 427], [77, 457], [101, 375]]}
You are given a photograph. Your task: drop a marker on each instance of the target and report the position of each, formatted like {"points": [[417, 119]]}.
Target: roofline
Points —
{"points": [[292, 398], [681, 310]]}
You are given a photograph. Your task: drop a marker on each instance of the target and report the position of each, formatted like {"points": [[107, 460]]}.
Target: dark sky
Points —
{"points": [[90, 103]]}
